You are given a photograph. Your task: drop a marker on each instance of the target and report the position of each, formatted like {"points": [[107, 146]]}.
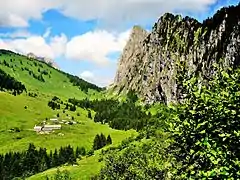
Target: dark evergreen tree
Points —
{"points": [[97, 142], [77, 153], [9, 83], [73, 108], [89, 114], [55, 160], [109, 140], [103, 140]]}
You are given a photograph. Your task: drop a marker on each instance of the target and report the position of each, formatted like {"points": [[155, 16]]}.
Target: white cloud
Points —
{"points": [[92, 46], [96, 46], [115, 13], [58, 45], [25, 42], [18, 12], [5, 45], [99, 80], [87, 75], [34, 44]]}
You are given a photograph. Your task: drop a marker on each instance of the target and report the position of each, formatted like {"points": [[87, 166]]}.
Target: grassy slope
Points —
{"points": [[13, 114], [56, 85], [85, 169]]}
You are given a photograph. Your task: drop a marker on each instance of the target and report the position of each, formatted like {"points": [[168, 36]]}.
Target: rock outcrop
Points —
{"points": [[131, 50], [49, 61], [155, 64]]}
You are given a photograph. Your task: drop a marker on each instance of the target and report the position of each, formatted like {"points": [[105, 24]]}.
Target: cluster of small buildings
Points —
{"points": [[47, 128]]}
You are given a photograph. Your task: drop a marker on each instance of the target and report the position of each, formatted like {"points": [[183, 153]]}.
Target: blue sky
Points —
{"points": [[85, 38]]}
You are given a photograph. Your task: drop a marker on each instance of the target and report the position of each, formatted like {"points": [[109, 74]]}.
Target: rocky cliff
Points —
{"points": [[154, 64]]}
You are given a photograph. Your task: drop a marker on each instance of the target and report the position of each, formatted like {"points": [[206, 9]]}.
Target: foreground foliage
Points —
{"points": [[144, 160], [32, 161], [198, 139], [207, 129]]}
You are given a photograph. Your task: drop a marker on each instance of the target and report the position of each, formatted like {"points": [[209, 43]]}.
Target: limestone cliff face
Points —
{"points": [[154, 64], [132, 49]]}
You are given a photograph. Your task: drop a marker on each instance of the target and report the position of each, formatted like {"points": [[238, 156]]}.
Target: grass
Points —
{"points": [[13, 114], [86, 168], [56, 83]]}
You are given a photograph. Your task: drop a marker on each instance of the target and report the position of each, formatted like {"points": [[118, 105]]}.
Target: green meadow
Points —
{"points": [[23, 112]]}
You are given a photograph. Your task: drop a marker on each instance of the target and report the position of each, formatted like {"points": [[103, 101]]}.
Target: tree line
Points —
{"points": [[124, 116], [100, 141], [9, 83], [32, 161], [55, 104], [83, 85]]}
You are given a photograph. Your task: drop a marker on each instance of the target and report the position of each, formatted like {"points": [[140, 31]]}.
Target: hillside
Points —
{"points": [[34, 93], [40, 77], [155, 64]]}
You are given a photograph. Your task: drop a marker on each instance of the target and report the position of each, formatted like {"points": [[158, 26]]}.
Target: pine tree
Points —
{"points": [[109, 140], [89, 114], [97, 142], [55, 161], [70, 155], [103, 140], [50, 159], [77, 153]]}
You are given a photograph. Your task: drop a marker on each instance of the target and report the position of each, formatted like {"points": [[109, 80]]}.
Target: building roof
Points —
{"points": [[50, 126]]}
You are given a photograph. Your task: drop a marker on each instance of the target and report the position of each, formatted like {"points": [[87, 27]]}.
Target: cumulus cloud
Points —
{"points": [[99, 80], [115, 13], [18, 12], [34, 44], [25, 42], [87, 75], [58, 45], [95, 46]]}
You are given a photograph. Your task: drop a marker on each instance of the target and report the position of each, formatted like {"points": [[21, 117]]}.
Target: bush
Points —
{"points": [[90, 153], [206, 130]]}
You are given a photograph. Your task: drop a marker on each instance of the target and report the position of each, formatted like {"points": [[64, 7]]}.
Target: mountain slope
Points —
{"points": [[41, 77], [177, 49], [20, 112]]}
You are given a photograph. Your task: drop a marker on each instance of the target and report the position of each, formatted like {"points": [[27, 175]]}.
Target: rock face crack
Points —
{"points": [[155, 64]]}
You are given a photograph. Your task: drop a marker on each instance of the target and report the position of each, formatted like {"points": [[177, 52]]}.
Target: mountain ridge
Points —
{"points": [[44, 59], [178, 48]]}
